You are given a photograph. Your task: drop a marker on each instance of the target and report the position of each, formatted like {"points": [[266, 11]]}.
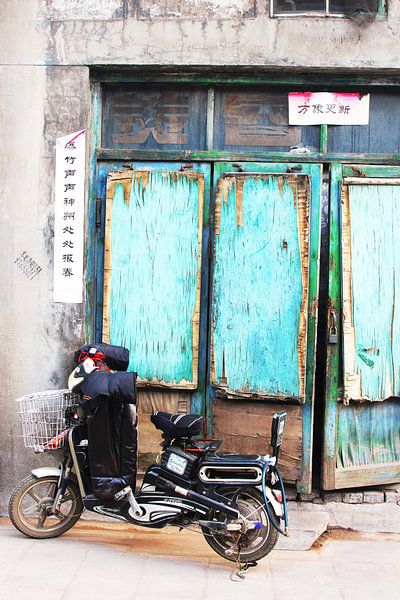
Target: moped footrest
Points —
{"points": [[122, 493], [215, 525]]}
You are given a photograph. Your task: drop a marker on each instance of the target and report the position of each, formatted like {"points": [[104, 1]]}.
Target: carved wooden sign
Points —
{"points": [[258, 119], [163, 116]]}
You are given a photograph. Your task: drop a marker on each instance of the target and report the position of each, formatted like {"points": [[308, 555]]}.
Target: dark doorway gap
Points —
{"points": [[321, 353]]}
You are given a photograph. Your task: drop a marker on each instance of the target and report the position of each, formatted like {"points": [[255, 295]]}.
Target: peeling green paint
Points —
{"points": [[362, 439], [368, 361]]}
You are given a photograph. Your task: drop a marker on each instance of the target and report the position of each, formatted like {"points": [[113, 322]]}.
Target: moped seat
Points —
{"points": [[175, 425]]}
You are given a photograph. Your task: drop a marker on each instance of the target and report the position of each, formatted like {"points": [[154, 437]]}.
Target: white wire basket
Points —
{"points": [[43, 418]]}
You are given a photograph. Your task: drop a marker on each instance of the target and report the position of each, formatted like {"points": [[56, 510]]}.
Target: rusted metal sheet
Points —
{"points": [[371, 280], [260, 286], [152, 270]]}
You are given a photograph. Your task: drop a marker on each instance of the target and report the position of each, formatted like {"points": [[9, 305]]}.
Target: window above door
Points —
{"points": [[182, 118], [337, 8], [162, 117]]}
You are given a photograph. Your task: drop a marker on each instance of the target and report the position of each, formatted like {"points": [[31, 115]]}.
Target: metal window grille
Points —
{"points": [[347, 8]]}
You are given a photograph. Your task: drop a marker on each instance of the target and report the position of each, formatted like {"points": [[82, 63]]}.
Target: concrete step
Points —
{"points": [[305, 527]]}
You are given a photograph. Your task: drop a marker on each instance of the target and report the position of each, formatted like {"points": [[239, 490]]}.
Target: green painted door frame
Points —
{"points": [[204, 394], [131, 220], [314, 173], [102, 159], [362, 411]]}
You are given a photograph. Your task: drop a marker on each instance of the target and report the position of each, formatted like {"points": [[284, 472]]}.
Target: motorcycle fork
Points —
{"points": [[65, 471], [69, 462]]}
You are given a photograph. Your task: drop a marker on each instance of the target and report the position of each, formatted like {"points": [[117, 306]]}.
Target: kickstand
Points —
{"points": [[238, 573]]}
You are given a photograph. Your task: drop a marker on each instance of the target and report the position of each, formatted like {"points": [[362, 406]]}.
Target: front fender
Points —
{"points": [[46, 472], [54, 471]]}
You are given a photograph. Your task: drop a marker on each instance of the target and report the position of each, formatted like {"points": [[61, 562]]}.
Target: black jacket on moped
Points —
{"points": [[110, 399]]}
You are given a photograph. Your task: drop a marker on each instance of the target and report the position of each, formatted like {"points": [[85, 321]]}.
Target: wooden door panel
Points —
{"points": [[152, 272], [368, 434], [371, 280], [265, 277], [260, 285], [245, 427], [362, 406]]}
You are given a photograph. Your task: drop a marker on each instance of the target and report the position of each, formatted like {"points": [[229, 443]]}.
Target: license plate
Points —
{"points": [[176, 464]]}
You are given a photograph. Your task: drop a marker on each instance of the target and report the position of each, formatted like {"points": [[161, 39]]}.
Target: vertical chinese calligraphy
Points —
{"points": [[69, 217]]}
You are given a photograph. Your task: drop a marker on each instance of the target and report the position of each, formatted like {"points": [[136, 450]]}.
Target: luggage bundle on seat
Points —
{"points": [[109, 394]]}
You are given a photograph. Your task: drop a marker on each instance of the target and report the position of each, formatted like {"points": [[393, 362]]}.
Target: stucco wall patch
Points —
{"points": [[197, 9], [64, 10]]}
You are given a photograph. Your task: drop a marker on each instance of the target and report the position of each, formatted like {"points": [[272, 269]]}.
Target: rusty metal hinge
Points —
{"points": [[98, 212], [294, 169], [358, 172]]}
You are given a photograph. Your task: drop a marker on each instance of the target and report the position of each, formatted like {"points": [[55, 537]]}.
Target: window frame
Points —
{"points": [[382, 12]]}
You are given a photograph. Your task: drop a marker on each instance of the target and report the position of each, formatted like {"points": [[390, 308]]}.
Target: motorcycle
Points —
{"points": [[236, 501]]}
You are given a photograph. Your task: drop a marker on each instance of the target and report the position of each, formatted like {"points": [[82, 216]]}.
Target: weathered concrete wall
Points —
{"points": [[37, 104], [191, 32], [47, 47]]}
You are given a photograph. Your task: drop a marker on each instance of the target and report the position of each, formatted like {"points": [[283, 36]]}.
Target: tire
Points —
{"points": [[29, 504], [253, 545]]}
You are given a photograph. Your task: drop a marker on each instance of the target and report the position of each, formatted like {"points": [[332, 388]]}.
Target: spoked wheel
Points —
{"points": [[30, 507], [255, 543]]}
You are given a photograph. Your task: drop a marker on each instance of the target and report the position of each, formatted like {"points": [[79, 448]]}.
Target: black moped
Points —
{"points": [[237, 501]]}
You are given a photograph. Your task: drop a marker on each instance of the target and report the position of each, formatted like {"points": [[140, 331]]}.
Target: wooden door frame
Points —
{"points": [[97, 152], [331, 476], [103, 169], [314, 171]]}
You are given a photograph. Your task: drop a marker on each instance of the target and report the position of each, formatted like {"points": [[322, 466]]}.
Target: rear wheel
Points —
{"points": [[255, 543], [30, 507]]}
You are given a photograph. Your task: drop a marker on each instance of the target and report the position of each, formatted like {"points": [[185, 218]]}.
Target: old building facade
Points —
{"points": [[217, 234]]}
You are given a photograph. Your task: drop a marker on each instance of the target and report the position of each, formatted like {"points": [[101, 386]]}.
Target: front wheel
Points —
{"points": [[250, 546], [30, 504]]}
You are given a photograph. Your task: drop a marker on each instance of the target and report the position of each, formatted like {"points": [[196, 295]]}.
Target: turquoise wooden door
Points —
{"points": [[362, 405], [155, 242], [263, 308], [228, 317]]}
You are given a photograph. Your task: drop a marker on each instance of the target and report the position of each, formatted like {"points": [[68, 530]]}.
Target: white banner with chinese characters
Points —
{"points": [[330, 108], [69, 217]]}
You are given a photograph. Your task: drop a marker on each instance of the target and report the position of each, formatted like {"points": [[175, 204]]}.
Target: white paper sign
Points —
{"points": [[69, 217], [318, 108]]}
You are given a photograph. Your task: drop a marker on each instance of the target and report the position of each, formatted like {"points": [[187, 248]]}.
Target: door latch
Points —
{"points": [[333, 334]]}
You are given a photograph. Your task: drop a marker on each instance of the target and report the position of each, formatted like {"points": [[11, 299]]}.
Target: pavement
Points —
{"points": [[308, 521], [99, 560]]}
